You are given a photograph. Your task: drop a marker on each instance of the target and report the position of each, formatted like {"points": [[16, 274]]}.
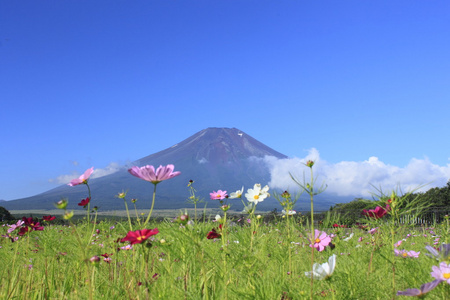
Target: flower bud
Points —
{"points": [[62, 204], [310, 163]]}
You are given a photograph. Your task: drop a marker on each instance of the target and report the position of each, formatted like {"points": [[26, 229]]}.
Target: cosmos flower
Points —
{"points": [[442, 272], [212, 234], [349, 237], [376, 213], [148, 173], [83, 178], [257, 194], [424, 288], [139, 236], [442, 254], [29, 222], [84, 202], [321, 240], [237, 194], [290, 212], [404, 253], [219, 195], [48, 218], [14, 226], [323, 271]]}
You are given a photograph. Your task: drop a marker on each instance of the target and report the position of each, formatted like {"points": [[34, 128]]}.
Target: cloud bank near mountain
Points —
{"points": [[358, 178]]}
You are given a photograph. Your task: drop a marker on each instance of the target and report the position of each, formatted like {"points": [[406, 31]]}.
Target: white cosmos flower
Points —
{"points": [[348, 238], [291, 212], [322, 271], [257, 194], [237, 194], [218, 217]]}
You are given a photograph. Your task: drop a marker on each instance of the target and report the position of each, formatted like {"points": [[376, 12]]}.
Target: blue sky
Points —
{"points": [[361, 86]]}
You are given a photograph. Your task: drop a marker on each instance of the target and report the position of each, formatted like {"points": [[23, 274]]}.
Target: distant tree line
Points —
{"points": [[436, 200]]}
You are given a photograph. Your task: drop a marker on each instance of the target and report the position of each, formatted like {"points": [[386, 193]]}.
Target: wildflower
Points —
{"points": [[321, 240], [441, 273], [62, 204], [219, 195], [237, 194], [162, 241], [443, 254], [29, 222], [83, 178], [373, 230], [14, 226], [323, 271], [405, 253], [398, 243], [138, 236], [48, 218], [127, 247], [212, 234], [94, 259], [148, 173], [349, 237], [257, 194], [218, 218], [289, 212], [376, 213], [424, 288], [84, 202]]}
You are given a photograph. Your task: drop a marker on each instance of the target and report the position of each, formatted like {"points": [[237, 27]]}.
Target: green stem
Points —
{"points": [[88, 219], [128, 214], [153, 203], [311, 194]]}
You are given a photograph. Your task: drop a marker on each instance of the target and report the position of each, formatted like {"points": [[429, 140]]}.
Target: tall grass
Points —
{"points": [[180, 263]]}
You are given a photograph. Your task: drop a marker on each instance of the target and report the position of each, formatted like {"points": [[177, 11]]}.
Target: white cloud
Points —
{"points": [[202, 160], [363, 178], [109, 169]]}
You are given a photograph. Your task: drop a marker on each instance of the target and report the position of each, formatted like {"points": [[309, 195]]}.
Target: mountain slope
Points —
{"points": [[215, 158]]}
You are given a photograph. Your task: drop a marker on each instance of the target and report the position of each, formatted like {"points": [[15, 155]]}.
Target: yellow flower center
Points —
{"points": [[139, 238], [218, 196], [317, 240], [405, 255], [256, 197], [446, 275]]}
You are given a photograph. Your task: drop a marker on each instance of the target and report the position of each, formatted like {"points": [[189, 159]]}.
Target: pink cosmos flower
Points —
{"points": [[148, 173], [424, 288], [219, 195], [83, 178], [321, 240], [14, 226], [404, 253], [441, 273], [398, 243]]}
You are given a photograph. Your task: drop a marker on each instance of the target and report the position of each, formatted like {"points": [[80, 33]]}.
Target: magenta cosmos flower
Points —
{"points": [[83, 178], [376, 213], [321, 240], [442, 272], [148, 173], [219, 195], [139, 236]]}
